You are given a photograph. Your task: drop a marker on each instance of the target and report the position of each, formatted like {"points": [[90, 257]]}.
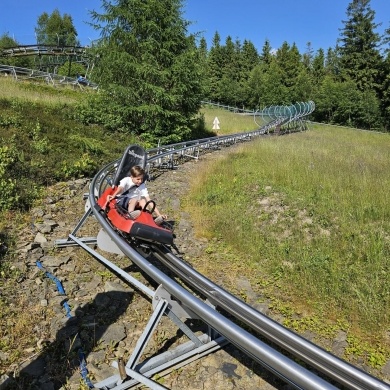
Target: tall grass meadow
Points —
{"points": [[311, 212], [36, 92]]}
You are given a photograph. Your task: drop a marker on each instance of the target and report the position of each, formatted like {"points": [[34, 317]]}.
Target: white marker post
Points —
{"points": [[216, 123]]}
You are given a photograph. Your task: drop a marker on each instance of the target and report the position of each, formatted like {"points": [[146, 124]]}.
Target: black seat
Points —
{"points": [[133, 155]]}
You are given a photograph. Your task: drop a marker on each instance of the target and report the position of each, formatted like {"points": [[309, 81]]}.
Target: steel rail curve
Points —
{"points": [[330, 365], [273, 360], [282, 366]]}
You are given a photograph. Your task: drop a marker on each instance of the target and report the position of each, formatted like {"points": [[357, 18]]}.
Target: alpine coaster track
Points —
{"points": [[221, 312]]}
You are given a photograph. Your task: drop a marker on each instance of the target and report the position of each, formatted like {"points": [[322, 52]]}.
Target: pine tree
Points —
{"points": [[332, 63], [360, 57], [289, 61], [265, 86], [249, 58], [385, 94], [266, 55], [229, 84], [149, 69], [215, 65], [318, 66], [56, 30], [204, 63], [308, 56]]}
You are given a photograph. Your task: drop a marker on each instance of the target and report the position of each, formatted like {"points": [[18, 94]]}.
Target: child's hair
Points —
{"points": [[136, 170]]}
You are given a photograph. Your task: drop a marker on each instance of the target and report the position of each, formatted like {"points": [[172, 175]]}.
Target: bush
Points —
{"points": [[81, 167], [9, 196]]}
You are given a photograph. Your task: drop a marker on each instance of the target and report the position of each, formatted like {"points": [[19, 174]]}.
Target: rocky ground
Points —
{"points": [[81, 309]]}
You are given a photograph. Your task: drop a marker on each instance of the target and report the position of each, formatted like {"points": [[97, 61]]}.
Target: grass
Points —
{"points": [[307, 219], [37, 92], [42, 142], [229, 122]]}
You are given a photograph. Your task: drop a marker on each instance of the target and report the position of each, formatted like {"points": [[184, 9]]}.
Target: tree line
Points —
{"points": [[153, 74], [348, 83]]}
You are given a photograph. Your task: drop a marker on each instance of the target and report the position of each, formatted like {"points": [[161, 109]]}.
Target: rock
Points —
{"points": [[243, 284], [102, 372], [35, 368], [5, 381], [54, 261], [113, 334], [114, 286], [102, 301], [4, 355], [96, 357], [40, 238], [43, 228], [386, 371], [37, 212], [94, 283], [340, 343]]}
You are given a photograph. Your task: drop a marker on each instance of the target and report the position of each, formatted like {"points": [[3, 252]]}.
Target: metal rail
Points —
{"points": [[36, 49], [51, 78], [316, 357], [285, 368], [288, 370]]}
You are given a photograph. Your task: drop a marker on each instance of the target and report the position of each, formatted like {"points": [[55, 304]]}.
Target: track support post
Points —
{"points": [[136, 372]]}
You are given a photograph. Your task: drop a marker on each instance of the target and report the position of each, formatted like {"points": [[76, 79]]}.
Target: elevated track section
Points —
{"points": [[278, 118], [184, 293], [47, 59], [41, 50], [19, 73]]}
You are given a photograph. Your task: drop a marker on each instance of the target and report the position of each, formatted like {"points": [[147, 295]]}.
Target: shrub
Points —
{"points": [[81, 167], [9, 196]]}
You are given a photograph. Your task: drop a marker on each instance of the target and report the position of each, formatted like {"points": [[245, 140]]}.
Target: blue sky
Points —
{"points": [[298, 21]]}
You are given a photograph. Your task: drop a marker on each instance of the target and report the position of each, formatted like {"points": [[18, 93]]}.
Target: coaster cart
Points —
{"points": [[142, 228]]}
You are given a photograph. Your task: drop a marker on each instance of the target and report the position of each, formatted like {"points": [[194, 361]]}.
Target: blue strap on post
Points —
{"points": [[59, 287], [83, 363], [84, 370]]}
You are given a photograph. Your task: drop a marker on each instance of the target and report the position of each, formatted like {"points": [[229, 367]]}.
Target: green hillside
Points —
{"points": [[304, 216]]}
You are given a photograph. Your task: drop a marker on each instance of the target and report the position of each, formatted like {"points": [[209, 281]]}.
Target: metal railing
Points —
{"points": [[289, 116], [35, 49], [19, 73]]}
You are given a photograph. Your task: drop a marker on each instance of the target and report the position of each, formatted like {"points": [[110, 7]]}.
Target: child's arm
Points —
{"points": [[118, 191]]}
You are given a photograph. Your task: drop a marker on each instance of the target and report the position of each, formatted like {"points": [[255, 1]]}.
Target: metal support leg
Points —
{"points": [[69, 242], [139, 372], [144, 339]]}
